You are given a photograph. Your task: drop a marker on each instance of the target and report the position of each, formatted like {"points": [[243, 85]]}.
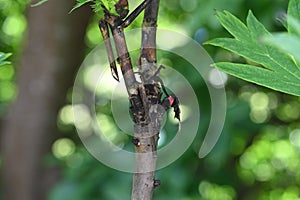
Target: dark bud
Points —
{"points": [[156, 183], [136, 142]]}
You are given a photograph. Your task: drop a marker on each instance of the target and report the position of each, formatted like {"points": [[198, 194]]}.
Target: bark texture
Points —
{"points": [[51, 56], [144, 96], [146, 155]]}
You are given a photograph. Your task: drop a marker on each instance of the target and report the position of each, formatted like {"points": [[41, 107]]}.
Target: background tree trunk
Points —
{"points": [[52, 54]]}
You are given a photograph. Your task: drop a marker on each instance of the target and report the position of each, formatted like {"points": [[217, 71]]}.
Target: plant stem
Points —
{"points": [[144, 183], [144, 97]]}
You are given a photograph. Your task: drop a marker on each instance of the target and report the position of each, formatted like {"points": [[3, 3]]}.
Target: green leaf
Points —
{"points": [[110, 6], [256, 29], [293, 13], [279, 69], [97, 5], [39, 3], [261, 76], [3, 57], [294, 24], [233, 25], [283, 22], [288, 43], [80, 3]]}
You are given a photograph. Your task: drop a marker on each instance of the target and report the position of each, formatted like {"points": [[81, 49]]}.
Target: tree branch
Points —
{"points": [[149, 31]]}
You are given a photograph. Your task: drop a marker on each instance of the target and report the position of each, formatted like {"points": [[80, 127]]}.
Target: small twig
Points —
{"points": [[135, 13], [105, 34], [122, 51]]}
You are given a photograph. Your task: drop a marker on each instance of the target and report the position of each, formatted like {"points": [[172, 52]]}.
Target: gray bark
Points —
{"points": [[144, 183]]}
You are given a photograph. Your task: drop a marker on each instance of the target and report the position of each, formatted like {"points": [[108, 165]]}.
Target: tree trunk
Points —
{"points": [[52, 54]]}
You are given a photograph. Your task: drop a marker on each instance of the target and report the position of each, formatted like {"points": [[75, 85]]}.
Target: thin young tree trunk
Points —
{"points": [[144, 96], [144, 180]]}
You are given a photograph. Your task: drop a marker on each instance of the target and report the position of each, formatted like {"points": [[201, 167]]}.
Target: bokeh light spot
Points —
{"points": [[217, 78], [259, 101], [259, 116], [92, 35], [63, 148], [291, 192], [248, 160], [263, 171], [7, 72], [14, 25], [66, 115], [291, 110], [107, 126], [8, 91], [201, 35], [215, 192], [273, 100], [82, 118], [283, 150], [188, 7], [295, 137], [246, 175]]}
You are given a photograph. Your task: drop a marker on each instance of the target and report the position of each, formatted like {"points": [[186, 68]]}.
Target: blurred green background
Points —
{"points": [[42, 157]]}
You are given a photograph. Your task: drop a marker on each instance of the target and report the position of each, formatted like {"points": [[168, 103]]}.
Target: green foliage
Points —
{"points": [[3, 57], [289, 41], [97, 5], [274, 68], [293, 13]]}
